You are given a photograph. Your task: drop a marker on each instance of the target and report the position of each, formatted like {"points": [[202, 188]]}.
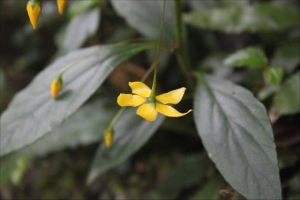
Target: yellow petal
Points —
{"points": [[33, 13], [169, 111], [130, 100], [61, 5], [56, 85], [147, 111], [172, 97], [140, 89]]}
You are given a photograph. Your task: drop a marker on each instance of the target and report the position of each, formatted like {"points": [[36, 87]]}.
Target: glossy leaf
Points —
{"points": [[33, 113], [145, 17], [237, 19], [84, 127], [131, 132], [287, 99], [74, 37], [251, 57], [287, 55], [273, 75], [236, 132]]}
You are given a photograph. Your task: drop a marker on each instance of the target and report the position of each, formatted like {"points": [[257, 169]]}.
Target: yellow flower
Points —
{"points": [[56, 85], [147, 107], [61, 5], [33, 10]]}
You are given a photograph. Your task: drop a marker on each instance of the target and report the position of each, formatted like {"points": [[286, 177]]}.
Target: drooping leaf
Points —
{"points": [[131, 132], [33, 112], [251, 57], [287, 99], [237, 19], [145, 17], [80, 28], [267, 91], [84, 127], [273, 75], [287, 55], [191, 170], [236, 132]]}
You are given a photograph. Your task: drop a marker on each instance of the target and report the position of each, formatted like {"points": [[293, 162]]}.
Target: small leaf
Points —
{"points": [[287, 55], [287, 99], [251, 57], [237, 19], [267, 91], [273, 75], [33, 113], [131, 132], [84, 127], [236, 132], [145, 17], [74, 36]]}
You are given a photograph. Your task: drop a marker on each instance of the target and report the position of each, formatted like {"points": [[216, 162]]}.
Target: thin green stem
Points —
{"points": [[153, 91], [181, 53]]}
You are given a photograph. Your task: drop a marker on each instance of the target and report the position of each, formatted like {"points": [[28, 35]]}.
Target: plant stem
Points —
{"points": [[181, 53], [152, 95]]}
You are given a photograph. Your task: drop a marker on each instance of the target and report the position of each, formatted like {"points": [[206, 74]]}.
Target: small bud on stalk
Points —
{"points": [[56, 86], [61, 5], [33, 9]]}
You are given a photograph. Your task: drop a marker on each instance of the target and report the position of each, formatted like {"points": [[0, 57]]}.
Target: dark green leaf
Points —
{"points": [[33, 112], [287, 99], [145, 17], [236, 19], [189, 171], [74, 37], [84, 127], [273, 75], [287, 55], [251, 57], [131, 132], [211, 190], [236, 132]]}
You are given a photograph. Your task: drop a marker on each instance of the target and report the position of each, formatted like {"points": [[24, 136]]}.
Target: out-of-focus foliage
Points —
{"points": [[244, 116]]}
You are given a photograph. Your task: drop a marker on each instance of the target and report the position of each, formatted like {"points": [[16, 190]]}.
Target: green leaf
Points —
{"points": [[131, 132], [267, 91], [191, 170], [80, 28], [237, 19], [273, 75], [145, 17], [251, 57], [84, 127], [236, 132], [211, 190], [33, 113], [287, 55], [78, 7], [287, 99]]}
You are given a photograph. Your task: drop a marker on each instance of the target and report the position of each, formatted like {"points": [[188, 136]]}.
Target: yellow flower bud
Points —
{"points": [[33, 10], [56, 86], [61, 5], [108, 136]]}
